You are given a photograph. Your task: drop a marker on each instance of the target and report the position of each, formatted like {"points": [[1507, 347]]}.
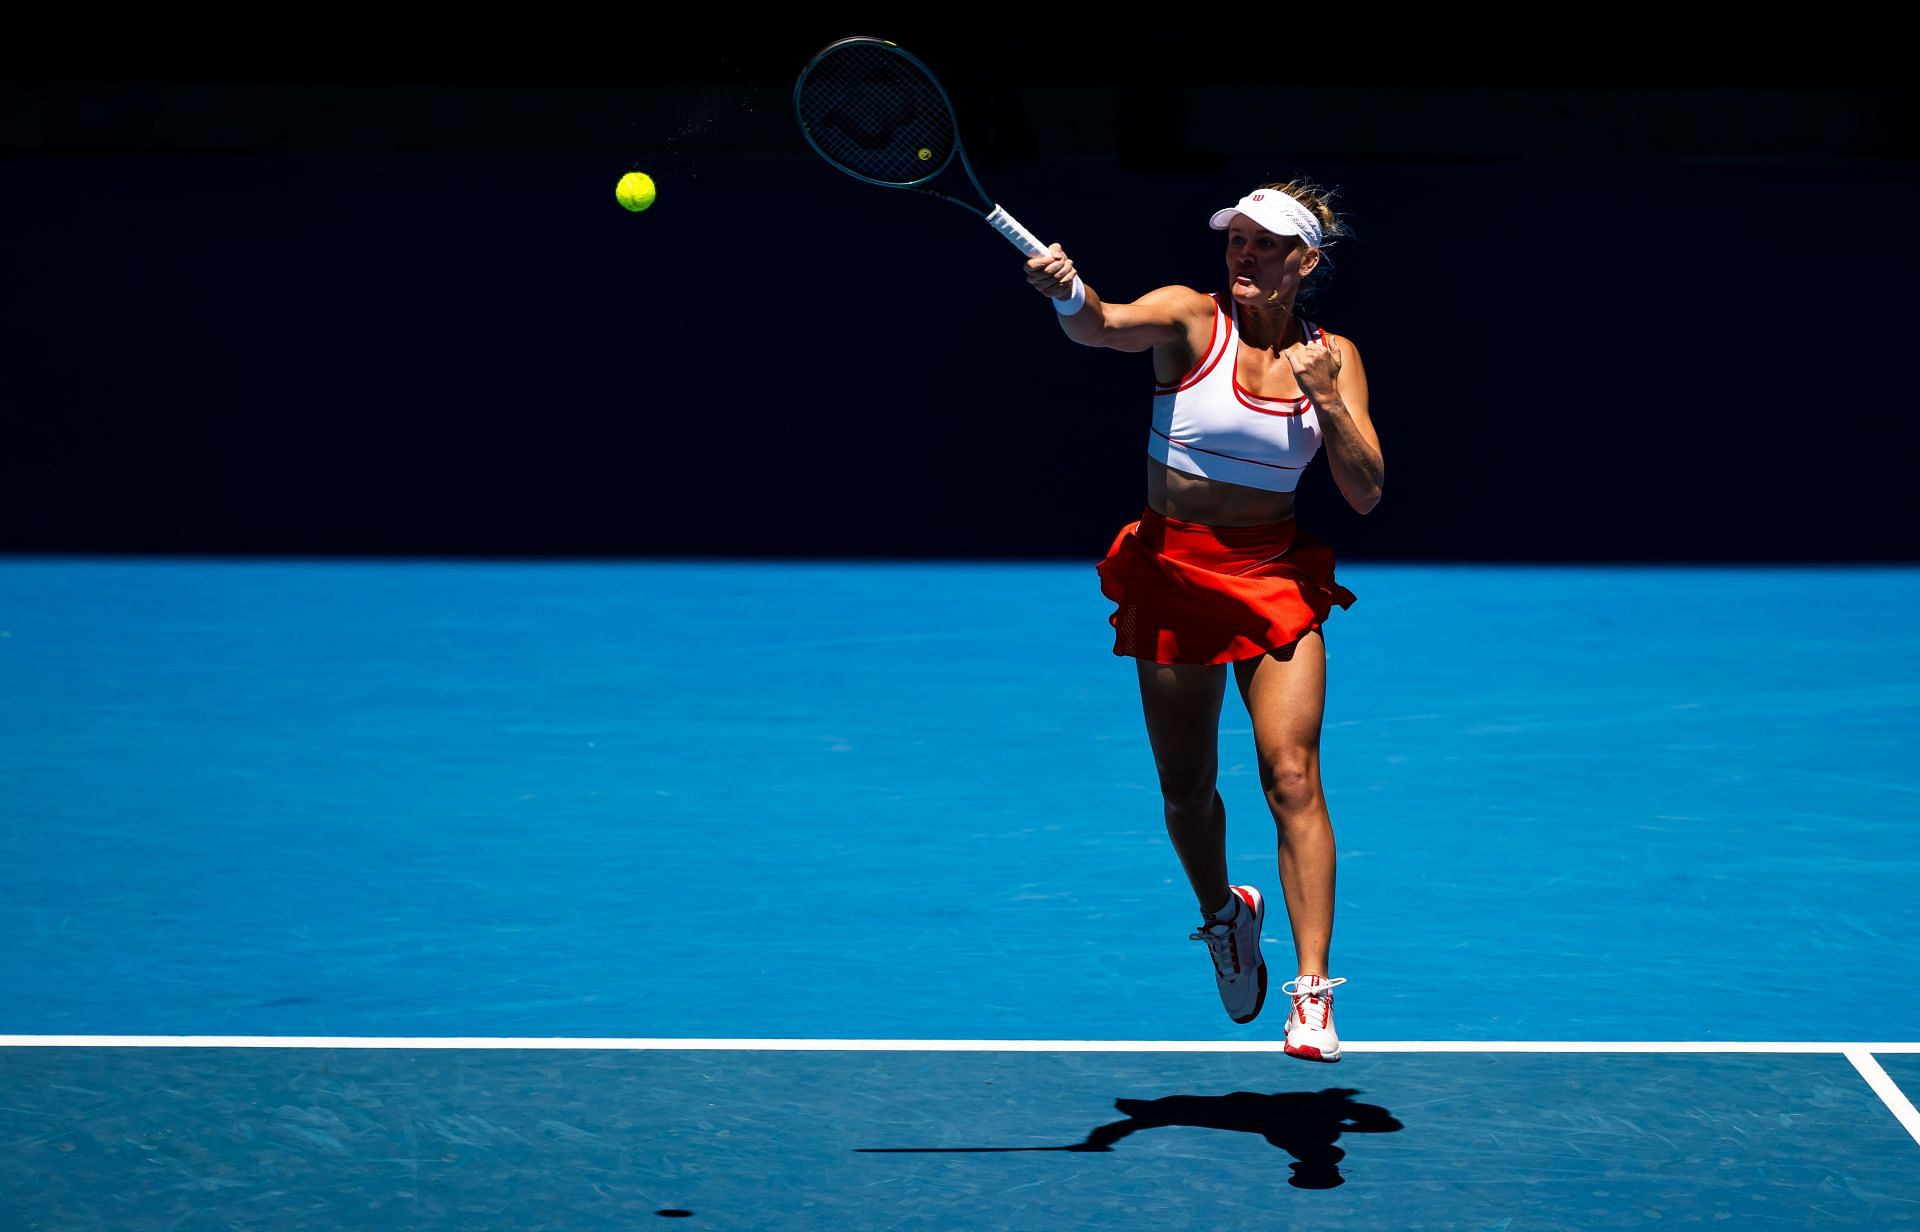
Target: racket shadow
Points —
{"points": [[1305, 1124]]}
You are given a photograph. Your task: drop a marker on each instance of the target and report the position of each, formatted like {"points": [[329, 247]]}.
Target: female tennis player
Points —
{"points": [[1216, 572]]}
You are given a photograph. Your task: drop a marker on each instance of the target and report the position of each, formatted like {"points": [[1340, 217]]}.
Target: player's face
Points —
{"points": [[1264, 268]]}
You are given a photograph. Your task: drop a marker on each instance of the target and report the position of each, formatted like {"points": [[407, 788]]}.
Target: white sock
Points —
{"points": [[1227, 913]]}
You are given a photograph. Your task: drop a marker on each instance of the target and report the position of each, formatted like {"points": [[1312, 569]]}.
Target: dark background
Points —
{"points": [[1619, 297]]}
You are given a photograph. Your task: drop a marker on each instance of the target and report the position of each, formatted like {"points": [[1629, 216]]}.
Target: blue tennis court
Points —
{"points": [[767, 895]]}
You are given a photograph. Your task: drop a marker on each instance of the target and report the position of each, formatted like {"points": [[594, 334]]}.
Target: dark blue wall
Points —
{"points": [[1636, 355]]}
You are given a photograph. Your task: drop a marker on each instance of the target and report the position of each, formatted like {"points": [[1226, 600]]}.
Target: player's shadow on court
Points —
{"points": [[1304, 1124]]}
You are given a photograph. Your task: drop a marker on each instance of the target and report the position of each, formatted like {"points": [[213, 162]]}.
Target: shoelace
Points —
{"points": [[1225, 950], [1318, 995]]}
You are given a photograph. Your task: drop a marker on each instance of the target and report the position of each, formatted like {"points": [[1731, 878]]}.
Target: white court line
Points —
{"points": [[1859, 1054], [931, 1045], [1895, 1099]]}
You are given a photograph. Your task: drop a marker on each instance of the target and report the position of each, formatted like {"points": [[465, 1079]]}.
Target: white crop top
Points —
{"points": [[1207, 425]]}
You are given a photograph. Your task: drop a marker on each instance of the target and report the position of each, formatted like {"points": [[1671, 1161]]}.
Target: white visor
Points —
{"points": [[1278, 212]]}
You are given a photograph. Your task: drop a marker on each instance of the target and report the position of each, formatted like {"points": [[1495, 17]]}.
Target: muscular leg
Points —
{"points": [[1286, 694], [1182, 706]]}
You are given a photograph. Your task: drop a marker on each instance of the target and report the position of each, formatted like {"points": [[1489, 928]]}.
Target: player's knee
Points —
{"points": [[1188, 795], [1291, 779]]}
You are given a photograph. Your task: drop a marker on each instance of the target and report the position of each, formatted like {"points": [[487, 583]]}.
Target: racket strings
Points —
{"points": [[877, 113]]}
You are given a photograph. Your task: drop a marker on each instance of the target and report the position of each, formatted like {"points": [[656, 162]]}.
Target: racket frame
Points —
{"points": [[992, 213]]}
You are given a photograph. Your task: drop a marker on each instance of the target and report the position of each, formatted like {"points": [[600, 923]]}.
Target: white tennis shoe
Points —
{"points": [[1310, 1033], [1237, 965]]}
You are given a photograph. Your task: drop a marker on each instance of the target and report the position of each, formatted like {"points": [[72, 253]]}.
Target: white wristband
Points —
{"points": [[1073, 303]]}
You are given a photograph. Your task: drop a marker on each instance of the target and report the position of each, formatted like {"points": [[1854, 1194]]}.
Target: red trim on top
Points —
{"points": [[1189, 378], [1211, 363], [1300, 405]]}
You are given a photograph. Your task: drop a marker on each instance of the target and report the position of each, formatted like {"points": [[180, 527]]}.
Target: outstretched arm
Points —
{"points": [[1156, 318]]}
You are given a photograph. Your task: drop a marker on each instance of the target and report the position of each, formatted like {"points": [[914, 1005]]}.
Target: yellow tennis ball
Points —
{"points": [[635, 191]]}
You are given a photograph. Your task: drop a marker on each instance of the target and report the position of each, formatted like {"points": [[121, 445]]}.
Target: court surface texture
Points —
{"points": [[776, 895]]}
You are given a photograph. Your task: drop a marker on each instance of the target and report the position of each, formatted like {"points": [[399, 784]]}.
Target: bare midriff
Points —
{"points": [[1193, 498]]}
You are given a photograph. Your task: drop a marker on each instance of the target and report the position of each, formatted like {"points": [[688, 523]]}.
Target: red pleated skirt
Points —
{"points": [[1192, 593]]}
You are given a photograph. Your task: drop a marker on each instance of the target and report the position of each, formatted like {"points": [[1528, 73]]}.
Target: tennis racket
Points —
{"points": [[875, 112]]}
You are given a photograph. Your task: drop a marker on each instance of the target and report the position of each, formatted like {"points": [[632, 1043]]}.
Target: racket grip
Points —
{"points": [[1016, 234]]}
